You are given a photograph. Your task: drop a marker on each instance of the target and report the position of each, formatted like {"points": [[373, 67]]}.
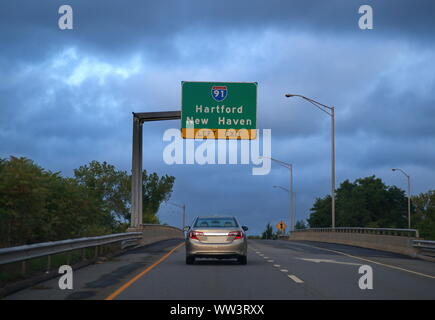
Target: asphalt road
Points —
{"points": [[278, 270]]}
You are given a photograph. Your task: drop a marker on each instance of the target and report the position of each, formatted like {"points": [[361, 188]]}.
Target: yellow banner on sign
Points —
{"points": [[198, 133]]}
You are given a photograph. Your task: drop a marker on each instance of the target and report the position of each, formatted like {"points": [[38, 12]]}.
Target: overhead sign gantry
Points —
{"points": [[214, 110]]}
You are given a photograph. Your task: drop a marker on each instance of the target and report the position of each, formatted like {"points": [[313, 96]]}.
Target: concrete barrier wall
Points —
{"points": [[156, 232], [397, 244]]}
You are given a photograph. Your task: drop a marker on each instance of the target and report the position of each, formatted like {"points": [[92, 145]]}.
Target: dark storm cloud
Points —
{"points": [[29, 29], [409, 115]]}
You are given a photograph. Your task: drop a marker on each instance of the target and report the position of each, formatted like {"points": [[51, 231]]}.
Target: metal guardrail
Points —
{"points": [[159, 226], [379, 231], [27, 252], [428, 245]]}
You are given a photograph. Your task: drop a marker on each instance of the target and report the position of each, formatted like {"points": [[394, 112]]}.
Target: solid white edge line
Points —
{"points": [[372, 261]]}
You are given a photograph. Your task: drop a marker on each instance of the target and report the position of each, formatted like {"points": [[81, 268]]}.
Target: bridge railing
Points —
{"points": [[385, 239], [48, 249], [378, 231], [427, 246]]}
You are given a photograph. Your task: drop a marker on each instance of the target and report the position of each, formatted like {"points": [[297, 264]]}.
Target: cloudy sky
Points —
{"points": [[66, 96]]}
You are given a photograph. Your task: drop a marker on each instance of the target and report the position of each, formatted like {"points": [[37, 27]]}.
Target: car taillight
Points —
{"points": [[195, 234], [236, 234]]}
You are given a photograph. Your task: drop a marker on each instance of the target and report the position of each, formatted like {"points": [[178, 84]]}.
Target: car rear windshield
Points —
{"points": [[216, 223]]}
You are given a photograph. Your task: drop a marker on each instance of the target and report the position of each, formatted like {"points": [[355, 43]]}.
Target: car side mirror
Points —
{"points": [[245, 228], [186, 228]]}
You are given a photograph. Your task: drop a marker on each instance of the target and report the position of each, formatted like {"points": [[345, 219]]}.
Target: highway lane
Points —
{"points": [[288, 270], [215, 280], [331, 270], [97, 281], [278, 270]]}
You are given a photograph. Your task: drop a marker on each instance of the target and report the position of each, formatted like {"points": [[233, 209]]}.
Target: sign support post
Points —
{"points": [[136, 179]]}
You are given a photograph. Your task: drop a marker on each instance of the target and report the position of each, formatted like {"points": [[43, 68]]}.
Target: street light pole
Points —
{"points": [[184, 216], [290, 167], [293, 217], [291, 198], [409, 194], [184, 211], [331, 112], [333, 166], [294, 210]]}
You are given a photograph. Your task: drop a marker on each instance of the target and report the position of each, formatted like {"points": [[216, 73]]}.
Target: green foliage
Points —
{"points": [[423, 216], [367, 202], [320, 215], [110, 188], [37, 205], [268, 233], [300, 225], [155, 190]]}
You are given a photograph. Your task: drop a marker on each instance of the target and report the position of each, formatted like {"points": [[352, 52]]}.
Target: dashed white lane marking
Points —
{"points": [[283, 270], [295, 279], [277, 265], [266, 257], [270, 260], [372, 261], [330, 261]]}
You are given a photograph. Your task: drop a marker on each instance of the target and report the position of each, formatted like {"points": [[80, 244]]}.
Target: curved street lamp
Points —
{"points": [[330, 111], [294, 204], [409, 194], [183, 206], [282, 188], [290, 167]]}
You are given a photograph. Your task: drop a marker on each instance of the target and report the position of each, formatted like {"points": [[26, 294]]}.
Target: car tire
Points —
{"points": [[243, 260], [190, 260]]}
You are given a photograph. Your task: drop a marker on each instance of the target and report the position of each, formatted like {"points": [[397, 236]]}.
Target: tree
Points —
{"points": [[112, 188], [37, 205], [366, 202], [320, 216], [423, 216], [23, 194], [300, 225], [155, 190], [268, 233]]}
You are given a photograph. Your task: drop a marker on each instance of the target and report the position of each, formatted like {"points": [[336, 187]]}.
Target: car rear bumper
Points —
{"points": [[235, 248]]}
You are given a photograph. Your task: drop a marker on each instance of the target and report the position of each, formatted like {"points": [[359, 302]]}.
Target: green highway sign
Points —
{"points": [[219, 110]]}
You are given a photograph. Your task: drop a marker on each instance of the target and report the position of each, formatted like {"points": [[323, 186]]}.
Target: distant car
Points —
{"points": [[216, 237]]}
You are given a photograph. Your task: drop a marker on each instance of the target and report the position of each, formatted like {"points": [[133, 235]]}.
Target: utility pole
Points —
{"points": [[331, 112], [409, 194]]}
